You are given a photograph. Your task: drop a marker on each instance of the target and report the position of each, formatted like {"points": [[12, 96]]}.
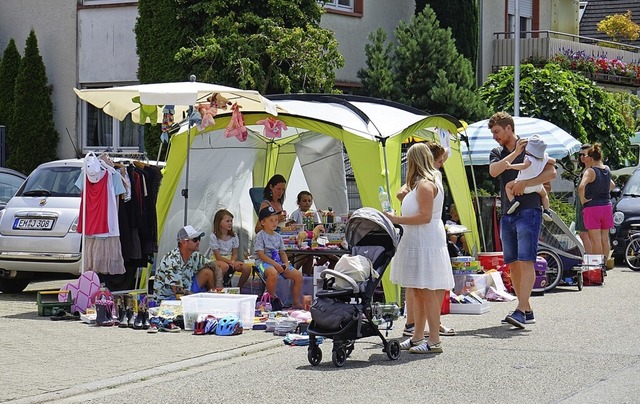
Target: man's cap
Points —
{"points": [[266, 212], [536, 146], [188, 232]]}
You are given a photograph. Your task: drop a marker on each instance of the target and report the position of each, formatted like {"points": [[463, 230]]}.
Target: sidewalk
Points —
{"points": [[584, 348]]}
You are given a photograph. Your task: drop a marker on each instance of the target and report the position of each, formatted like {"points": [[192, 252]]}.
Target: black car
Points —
{"points": [[10, 181], [626, 214]]}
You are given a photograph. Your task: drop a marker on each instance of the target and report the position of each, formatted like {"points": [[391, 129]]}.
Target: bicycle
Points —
{"points": [[632, 250]]}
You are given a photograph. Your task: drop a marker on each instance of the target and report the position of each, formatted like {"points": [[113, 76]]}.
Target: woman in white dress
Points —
{"points": [[422, 263]]}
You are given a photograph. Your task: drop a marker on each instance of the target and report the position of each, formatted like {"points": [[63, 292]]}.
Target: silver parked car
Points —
{"points": [[38, 226]]}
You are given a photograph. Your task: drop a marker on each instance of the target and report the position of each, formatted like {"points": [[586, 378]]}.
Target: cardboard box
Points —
{"points": [[219, 305]]}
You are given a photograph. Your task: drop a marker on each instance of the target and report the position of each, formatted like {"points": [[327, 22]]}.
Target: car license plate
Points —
{"points": [[33, 224]]}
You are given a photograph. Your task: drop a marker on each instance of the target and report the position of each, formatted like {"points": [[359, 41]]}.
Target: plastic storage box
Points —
{"points": [[219, 305]]}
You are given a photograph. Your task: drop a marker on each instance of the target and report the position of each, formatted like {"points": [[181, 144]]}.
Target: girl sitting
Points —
{"points": [[223, 248]]}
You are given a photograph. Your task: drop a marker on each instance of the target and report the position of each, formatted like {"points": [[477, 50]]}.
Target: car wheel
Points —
{"points": [[13, 285]]}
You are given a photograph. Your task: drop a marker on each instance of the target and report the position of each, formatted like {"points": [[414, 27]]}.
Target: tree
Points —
{"points": [[36, 139], [619, 27], [461, 16], [272, 46], [569, 100], [427, 72], [8, 73]]}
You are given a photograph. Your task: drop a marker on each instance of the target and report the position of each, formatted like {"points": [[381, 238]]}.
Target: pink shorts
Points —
{"points": [[598, 217]]}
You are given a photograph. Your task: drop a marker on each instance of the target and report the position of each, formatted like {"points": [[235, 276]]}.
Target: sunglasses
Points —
{"points": [[196, 239]]}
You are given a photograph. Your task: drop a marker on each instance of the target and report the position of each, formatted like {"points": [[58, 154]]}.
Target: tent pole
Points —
{"points": [[185, 191], [475, 188], [383, 140]]}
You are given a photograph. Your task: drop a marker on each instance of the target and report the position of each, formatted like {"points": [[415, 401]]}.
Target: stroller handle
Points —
{"points": [[347, 278]]}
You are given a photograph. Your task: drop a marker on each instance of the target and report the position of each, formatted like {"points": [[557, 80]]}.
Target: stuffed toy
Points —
{"points": [[146, 111], [312, 235], [272, 127], [167, 121], [236, 126], [207, 112], [217, 100]]}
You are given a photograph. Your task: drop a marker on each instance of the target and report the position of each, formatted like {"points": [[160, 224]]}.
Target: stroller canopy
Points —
{"points": [[366, 220]]}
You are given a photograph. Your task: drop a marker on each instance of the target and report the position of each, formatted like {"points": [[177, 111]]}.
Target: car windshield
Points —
{"points": [[52, 181], [9, 184], [632, 188]]}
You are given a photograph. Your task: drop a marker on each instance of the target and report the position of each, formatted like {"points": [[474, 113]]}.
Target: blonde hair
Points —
{"points": [[420, 165]]}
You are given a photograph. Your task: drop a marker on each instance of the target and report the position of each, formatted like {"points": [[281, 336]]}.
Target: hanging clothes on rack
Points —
{"points": [[98, 219]]}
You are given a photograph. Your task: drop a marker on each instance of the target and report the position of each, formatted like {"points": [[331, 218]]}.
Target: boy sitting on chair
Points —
{"points": [[272, 260], [534, 161]]}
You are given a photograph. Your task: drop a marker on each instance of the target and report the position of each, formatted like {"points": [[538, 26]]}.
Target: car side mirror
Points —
{"points": [[615, 192]]}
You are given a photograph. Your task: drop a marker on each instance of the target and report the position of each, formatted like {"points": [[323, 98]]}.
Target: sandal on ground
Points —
{"points": [[408, 344], [425, 348]]}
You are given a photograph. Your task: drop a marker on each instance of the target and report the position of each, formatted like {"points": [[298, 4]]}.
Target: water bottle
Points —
{"points": [[384, 200]]}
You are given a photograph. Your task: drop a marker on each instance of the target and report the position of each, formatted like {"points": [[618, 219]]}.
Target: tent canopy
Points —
{"points": [[223, 169]]}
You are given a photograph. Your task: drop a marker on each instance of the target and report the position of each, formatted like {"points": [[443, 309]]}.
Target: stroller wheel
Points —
{"points": [[314, 355], [554, 268], [349, 348], [339, 357], [393, 349]]}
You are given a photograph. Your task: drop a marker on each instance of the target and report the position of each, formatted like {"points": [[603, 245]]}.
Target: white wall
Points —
{"points": [[54, 23], [352, 33], [107, 45]]}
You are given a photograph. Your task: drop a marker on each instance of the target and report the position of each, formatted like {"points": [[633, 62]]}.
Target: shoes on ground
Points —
{"points": [[517, 319], [426, 348]]}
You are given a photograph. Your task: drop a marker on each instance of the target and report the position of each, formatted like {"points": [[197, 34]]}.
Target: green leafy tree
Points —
{"points": [[461, 16], [36, 139], [427, 72], [272, 46], [569, 100], [8, 73]]}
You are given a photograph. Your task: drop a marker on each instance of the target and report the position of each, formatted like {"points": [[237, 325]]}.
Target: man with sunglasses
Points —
{"points": [[519, 231], [184, 270]]}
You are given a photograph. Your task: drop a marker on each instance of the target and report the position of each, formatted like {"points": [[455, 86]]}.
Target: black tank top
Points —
{"points": [[598, 189]]}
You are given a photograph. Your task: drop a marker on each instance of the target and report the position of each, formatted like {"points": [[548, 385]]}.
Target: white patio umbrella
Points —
{"points": [[119, 102], [559, 142]]}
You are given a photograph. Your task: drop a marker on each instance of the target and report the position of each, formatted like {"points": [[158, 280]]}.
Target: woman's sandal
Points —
{"points": [[444, 331], [425, 348], [408, 344]]}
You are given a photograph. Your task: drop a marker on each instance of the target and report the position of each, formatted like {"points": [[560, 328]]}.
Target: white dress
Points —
{"points": [[422, 259]]}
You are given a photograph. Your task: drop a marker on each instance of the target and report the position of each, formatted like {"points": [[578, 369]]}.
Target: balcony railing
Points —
{"points": [[546, 44]]}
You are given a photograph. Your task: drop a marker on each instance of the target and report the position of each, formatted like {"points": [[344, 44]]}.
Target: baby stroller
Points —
{"points": [[345, 315], [563, 252]]}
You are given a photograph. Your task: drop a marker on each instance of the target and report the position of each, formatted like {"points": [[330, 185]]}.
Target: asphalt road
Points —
{"points": [[584, 349]]}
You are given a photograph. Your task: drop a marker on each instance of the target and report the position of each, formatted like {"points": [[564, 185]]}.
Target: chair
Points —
{"points": [[257, 197]]}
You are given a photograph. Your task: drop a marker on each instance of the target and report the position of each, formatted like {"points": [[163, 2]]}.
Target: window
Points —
{"points": [[343, 5], [102, 131], [526, 16]]}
